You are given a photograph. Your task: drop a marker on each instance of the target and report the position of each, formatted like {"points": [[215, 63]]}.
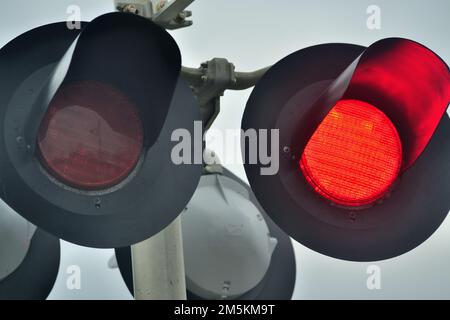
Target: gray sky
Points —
{"points": [[254, 34]]}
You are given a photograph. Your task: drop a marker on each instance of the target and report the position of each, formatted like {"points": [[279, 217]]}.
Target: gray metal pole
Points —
{"points": [[158, 266]]}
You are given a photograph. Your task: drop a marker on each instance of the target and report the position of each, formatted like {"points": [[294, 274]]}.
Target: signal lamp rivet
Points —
{"points": [[19, 139], [286, 149], [98, 203]]}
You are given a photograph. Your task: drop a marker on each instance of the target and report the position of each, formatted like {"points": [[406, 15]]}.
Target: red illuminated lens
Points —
{"points": [[354, 156], [91, 136]]}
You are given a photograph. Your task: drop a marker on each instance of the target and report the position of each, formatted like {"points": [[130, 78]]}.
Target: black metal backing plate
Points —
{"points": [[408, 216], [35, 277], [140, 208], [279, 282]]}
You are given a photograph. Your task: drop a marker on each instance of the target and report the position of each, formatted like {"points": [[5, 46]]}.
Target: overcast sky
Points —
{"points": [[254, 34]]}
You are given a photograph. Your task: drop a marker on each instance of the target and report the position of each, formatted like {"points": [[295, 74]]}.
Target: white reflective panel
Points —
{"points": [[227, 243]]}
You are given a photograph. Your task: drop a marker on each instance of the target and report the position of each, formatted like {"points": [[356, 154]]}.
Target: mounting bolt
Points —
{"points": [[160, 5], [204, 78], [130, 8]]}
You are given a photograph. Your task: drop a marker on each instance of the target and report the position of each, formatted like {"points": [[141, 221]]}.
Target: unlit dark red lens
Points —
{"points": [[354, 156], [91, 136]]}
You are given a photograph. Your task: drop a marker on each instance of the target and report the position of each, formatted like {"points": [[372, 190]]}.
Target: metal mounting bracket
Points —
{"points": [[208, 82], [212, 79], [168, 14]]}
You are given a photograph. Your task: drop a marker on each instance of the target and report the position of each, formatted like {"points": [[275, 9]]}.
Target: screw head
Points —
{"points": [[130, 8]]}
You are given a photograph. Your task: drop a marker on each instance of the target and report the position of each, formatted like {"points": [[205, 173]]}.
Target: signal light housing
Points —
{"points": [[43, 259], [279, 279], [410, 86], [87, 117], [24, 253]]}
